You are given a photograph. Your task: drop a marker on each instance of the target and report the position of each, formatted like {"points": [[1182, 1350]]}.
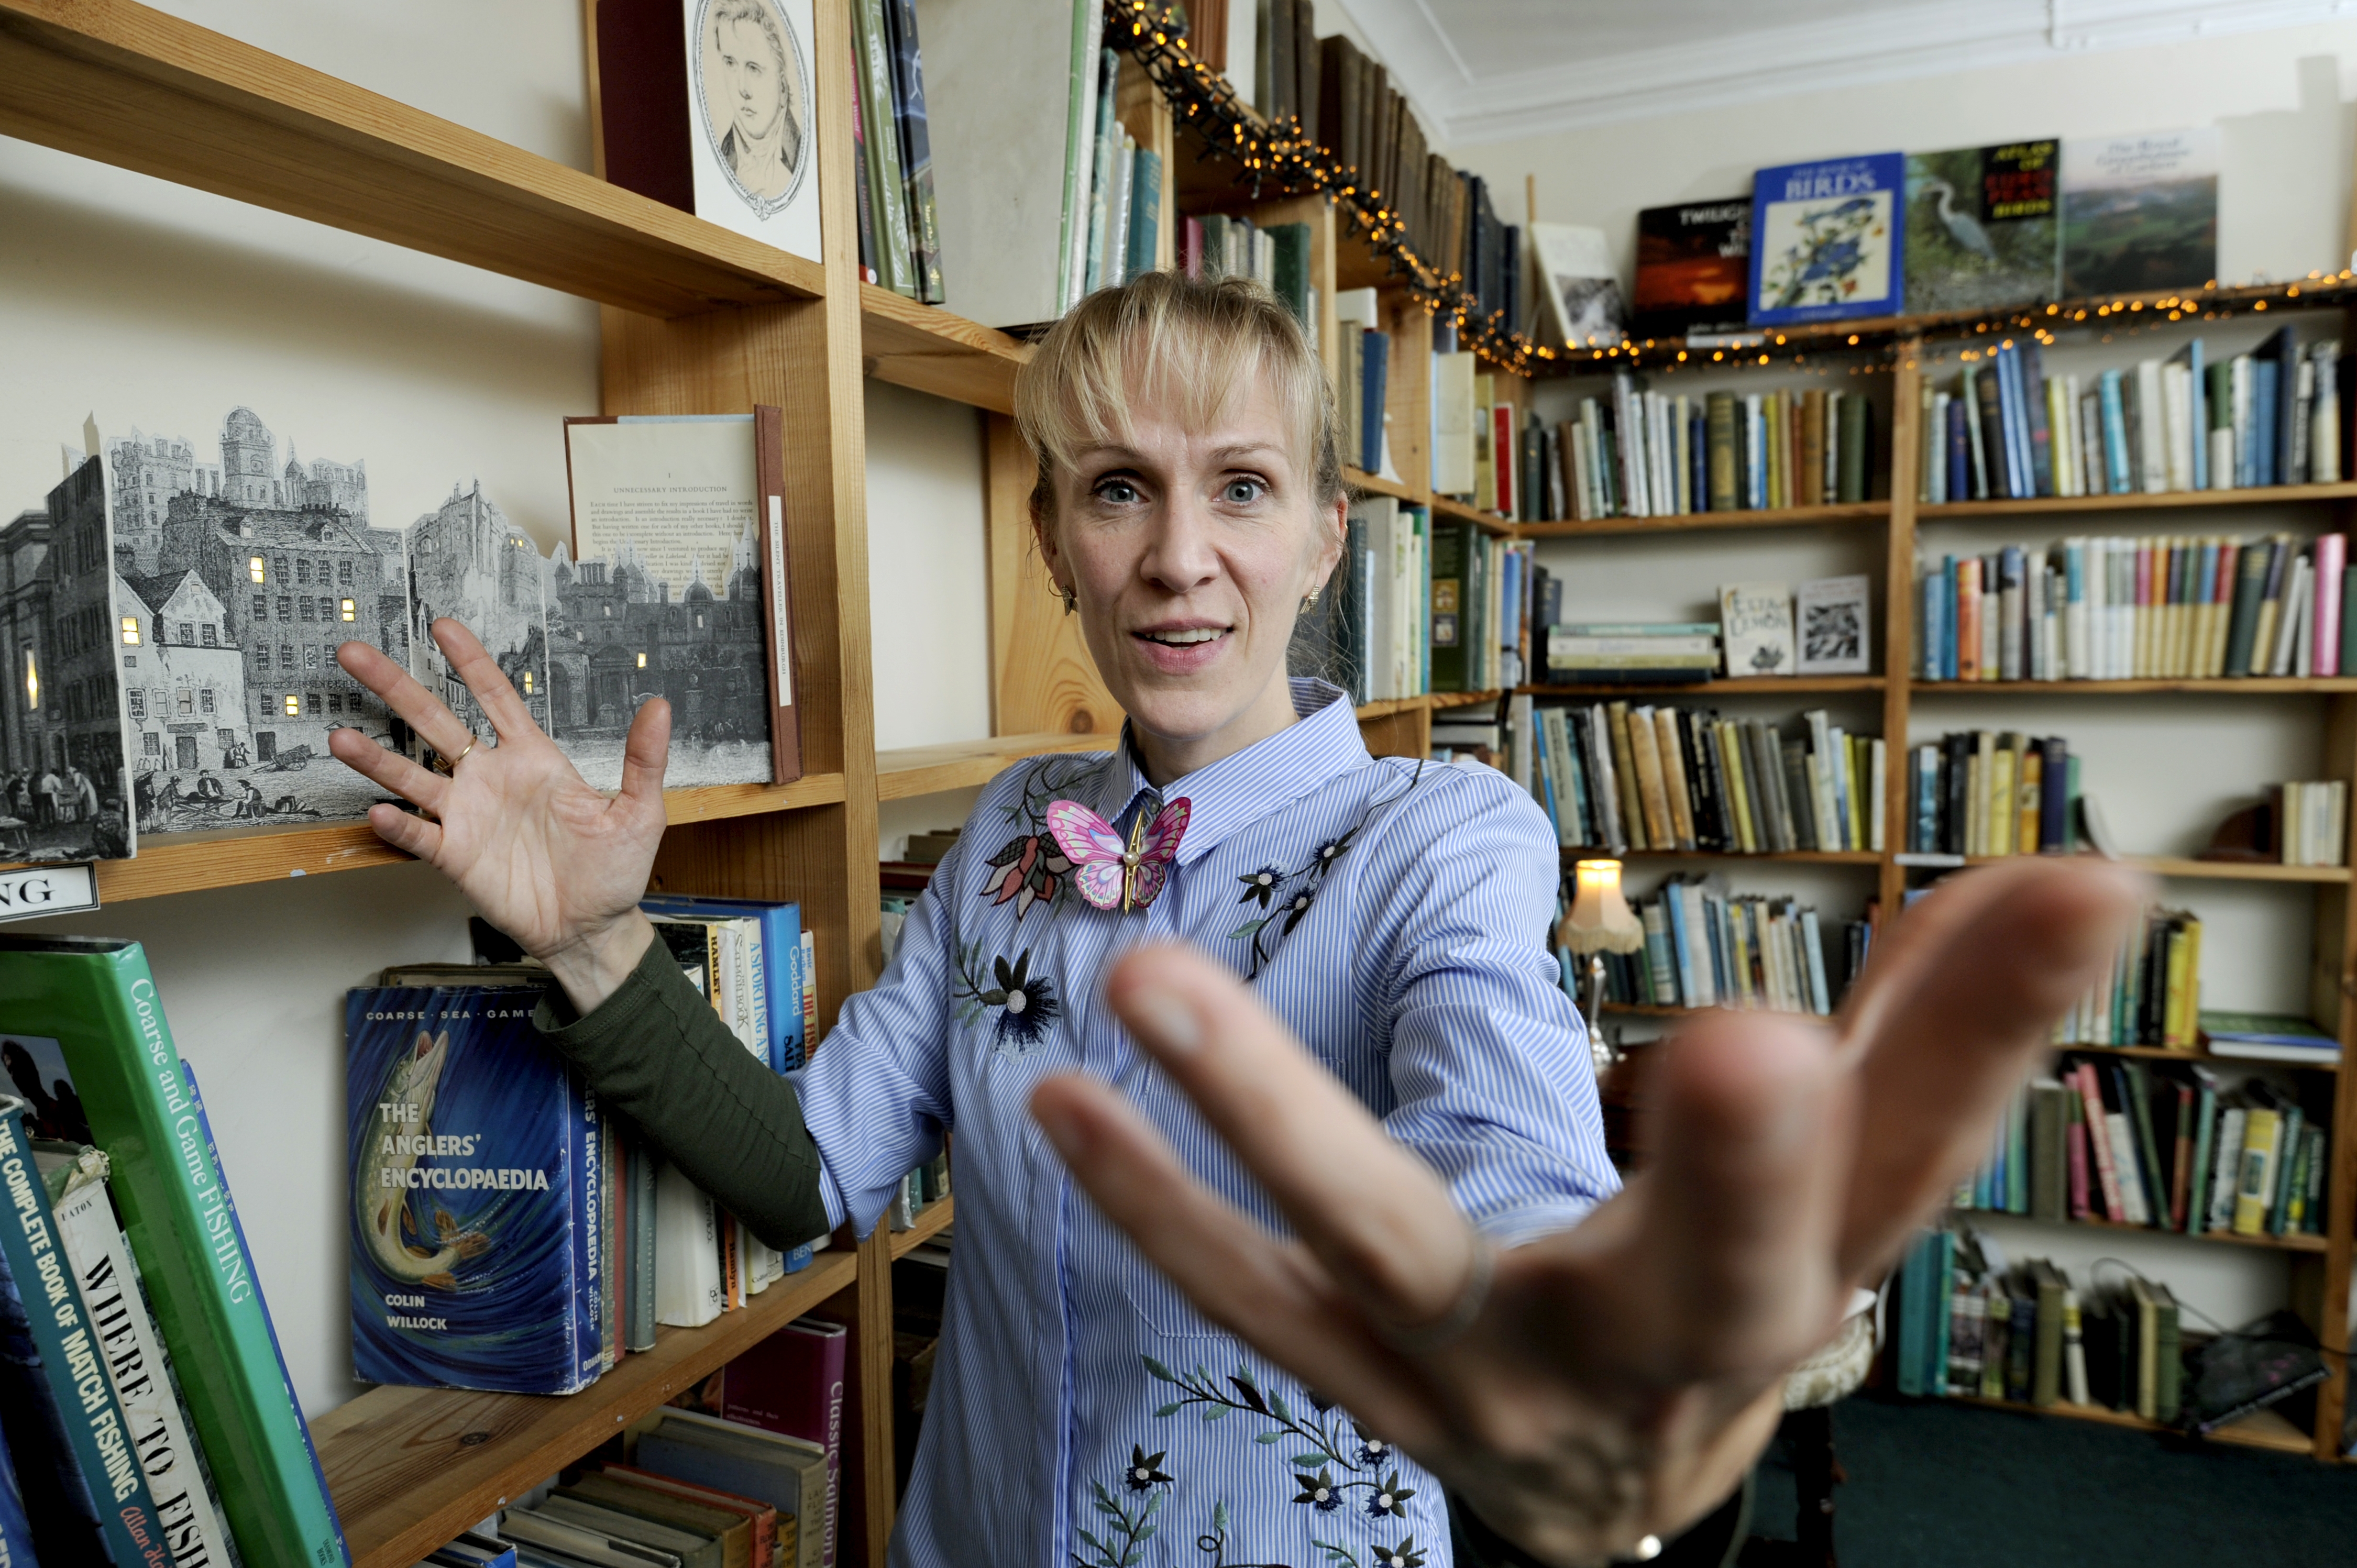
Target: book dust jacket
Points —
{"points": [[1825, 239], [474, 1196], [1984, 226]]}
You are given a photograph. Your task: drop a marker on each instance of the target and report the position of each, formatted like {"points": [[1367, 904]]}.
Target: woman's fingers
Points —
{"points": [[418, 708], [1956, 1019], [473, 663], [1375, 1215], [1238, 1275], [403, 832], [419, 787]]}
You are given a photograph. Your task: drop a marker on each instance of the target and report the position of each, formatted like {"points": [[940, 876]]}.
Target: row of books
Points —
{"points": [[2010, 432], [1667, 778], [1364, 357], [1967, 1326], [2151, 993], [1119, 232], [1276, 257], [2148, 608], [1639, 453], [1982, 792], [900, 225], [2309, 822], [138, 1360], [1484, 592], [1371, 631], [2163, 1145], [1706, 947]]}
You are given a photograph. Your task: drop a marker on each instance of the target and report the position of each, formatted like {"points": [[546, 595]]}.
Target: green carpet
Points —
{"points": [[1933, 1485]]}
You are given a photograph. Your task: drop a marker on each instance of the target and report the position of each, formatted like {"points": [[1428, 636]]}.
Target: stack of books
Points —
{"points": [[2161, 1146], [1633, 653], [2268, 1036], [2150, 608], [1981, 793], [2152, 995], [2007, 431], [1706, 947]]}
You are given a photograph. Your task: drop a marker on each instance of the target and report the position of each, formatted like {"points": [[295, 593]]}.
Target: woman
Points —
{"points": [[1391, 917]]}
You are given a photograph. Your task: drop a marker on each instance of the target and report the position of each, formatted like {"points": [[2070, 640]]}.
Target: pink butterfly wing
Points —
{"points": [[1089, 842], [1169, 827]]}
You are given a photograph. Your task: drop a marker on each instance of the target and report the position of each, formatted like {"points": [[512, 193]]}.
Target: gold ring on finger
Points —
{"points": [[450, 766]]}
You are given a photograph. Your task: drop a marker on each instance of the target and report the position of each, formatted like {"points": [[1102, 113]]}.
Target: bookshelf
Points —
{"points": [[1891, 358]]}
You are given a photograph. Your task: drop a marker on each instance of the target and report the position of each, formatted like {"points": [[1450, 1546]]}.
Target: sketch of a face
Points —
{"points": [[749, 75], [754, 77]]}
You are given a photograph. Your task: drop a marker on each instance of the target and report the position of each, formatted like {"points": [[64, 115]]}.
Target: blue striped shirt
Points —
{"points": [[1396, 917]]}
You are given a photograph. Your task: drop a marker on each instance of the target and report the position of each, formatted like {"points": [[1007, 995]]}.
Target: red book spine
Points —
{"points": [[792, 1382], [2075, 1142], [2108, 1177], [1501, 426]]}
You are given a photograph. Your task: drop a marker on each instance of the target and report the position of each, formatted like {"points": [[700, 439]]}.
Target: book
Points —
{"points": [[95, 1004], [1984, 226], [792, 1382], [691, 1289], [768, 1535], [1578, 287], [916, 149], [1827, 238], [2140, 212], [477, 1261], [1834, 627], [63, 705], [124, 1331], [687, 599], [709, 108], [1756, 622], [70, 1348], [787, 1473], [1693, 267]]}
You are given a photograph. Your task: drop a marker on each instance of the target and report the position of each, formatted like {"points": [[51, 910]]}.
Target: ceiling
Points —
{"points": [[1486, 70]]}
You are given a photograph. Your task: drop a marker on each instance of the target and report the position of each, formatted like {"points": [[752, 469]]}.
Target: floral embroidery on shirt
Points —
{"points": [[1288, 895], [1320, 1432], [1213, 1542], [1028, 870], [1025, 1002], [1128, 1523], [1406, 1554]]}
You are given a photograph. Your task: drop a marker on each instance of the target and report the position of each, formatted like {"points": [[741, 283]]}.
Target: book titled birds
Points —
{"points": [[1826, 240]]}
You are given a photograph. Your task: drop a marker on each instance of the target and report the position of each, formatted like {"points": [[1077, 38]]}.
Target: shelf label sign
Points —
{"points": [[34, 890]]}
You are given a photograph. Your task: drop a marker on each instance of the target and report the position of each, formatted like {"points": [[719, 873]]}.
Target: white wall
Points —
{"points": [[145, 303], [2284, 192]]}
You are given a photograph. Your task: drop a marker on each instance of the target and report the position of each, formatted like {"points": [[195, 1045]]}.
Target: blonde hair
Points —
{"points": [[1192, 343]]}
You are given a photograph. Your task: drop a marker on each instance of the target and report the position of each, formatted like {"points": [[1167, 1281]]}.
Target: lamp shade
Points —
{"points": [[1600, 919]]}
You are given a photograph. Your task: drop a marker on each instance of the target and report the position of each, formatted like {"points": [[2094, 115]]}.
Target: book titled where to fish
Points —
{"points": [[474, 1194]]}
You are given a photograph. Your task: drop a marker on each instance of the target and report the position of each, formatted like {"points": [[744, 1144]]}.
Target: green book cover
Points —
{"points": [[888, 183], [2286, 1173], [71, 1346], [2152, 1167], [96, 1003], [1449, 621], [1290, 244], [1857, 436], [2250, 592], [2205, 1134], [1718, 436]]}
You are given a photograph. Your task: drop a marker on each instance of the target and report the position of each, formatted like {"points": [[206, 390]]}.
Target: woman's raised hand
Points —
{"points": [[1619, 1378], [554, 864]]}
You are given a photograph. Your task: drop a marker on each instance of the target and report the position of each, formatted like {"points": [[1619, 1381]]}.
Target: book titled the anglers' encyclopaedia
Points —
{"points": [[474, 1160], [1825, 239]]}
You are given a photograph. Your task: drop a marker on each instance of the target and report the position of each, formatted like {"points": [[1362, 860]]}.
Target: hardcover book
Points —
{"points": [[1832, 626], [1694, 267], [473, 1161], [2140, 212], [1756, 626], [1578, 284], [707, 105], [1826, 240], [1984, 226]]}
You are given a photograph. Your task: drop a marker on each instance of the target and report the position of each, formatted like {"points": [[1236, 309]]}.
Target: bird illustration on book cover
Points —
{"points": [[469, 1259], [1826, 240], [1984, 226]]}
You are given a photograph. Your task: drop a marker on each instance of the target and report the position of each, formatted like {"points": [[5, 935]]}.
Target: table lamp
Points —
{"points": [[1600, 921]]}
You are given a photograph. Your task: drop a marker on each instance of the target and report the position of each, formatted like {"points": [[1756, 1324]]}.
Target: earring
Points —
{"points": [[1309, 600], [1071, 599]]}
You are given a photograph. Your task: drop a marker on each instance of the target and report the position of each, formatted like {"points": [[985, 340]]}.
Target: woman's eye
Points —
{"points": [[1119, 492], [1241, 492]]}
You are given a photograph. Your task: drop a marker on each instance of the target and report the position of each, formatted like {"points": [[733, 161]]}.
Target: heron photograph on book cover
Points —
{"points": [[1984, 226]]}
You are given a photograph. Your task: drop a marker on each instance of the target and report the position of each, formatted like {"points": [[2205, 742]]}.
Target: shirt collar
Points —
{"points": [[1249, 785]]}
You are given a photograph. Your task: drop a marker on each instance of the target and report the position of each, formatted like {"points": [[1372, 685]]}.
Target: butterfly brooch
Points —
{"points": [[1111, 875]]}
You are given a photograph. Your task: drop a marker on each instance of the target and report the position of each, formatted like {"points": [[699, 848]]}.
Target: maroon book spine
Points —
{"points": [[792, 1382]]}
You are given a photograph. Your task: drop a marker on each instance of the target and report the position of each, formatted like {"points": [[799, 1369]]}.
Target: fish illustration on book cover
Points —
{"points": [[473, 1195]]}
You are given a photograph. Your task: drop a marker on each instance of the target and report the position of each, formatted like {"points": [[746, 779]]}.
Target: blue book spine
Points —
{"points": [[2199, 399], [16, 1527], [1681, 953], [2025, 439], [1375, 379], [1914, 1315], [2008, 420], [1960, 453], [49, 1485], [70, 1347], [1698, 463], [2263, 421], [1714, 919], [467, 1132], [1933, 632], [1545, 774], [1145, 214], [1948, 619], [587, 1174], [2115, 436], [1927, 799]]}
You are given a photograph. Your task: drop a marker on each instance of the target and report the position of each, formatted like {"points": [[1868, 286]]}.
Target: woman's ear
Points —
{"points": [[1330, 541]]}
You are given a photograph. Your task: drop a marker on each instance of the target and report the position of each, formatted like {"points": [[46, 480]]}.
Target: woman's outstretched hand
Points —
{"points": [[554, 864], [1621, 1377]]}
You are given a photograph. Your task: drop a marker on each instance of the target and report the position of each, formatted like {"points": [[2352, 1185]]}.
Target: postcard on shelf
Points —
{"points": [[1984, 226], [1834, 627], [2140, 212], [62, 763], [1578, 284], [1756, 628], [1694, 267], [473, 1174], [707, 105], [677, 588], [1825, 239]]}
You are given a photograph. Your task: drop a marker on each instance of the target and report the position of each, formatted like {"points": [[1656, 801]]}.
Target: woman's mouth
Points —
{"points": [[1177, 649]]}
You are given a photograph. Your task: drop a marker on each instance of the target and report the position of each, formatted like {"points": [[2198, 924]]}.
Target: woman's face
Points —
{"points": [[1189, 552]]}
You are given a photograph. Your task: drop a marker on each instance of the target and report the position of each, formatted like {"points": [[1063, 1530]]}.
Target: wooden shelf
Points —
{"points": [[144, 91], [1443, 506], [2260, 1429], [1655, 1010], [1442, 701], [2264, 495], [2248, 686], [1718, 686], [1375, 484], [925, 347], [2196, 870], [959, 765], [2296, 1243], [409, 1468], [1789, 857], [1692, 521], [2172, 1054], [227, 857], [932, 1221]]}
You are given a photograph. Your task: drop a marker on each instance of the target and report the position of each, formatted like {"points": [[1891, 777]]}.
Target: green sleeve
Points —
{"points": [[656, 1052]]}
